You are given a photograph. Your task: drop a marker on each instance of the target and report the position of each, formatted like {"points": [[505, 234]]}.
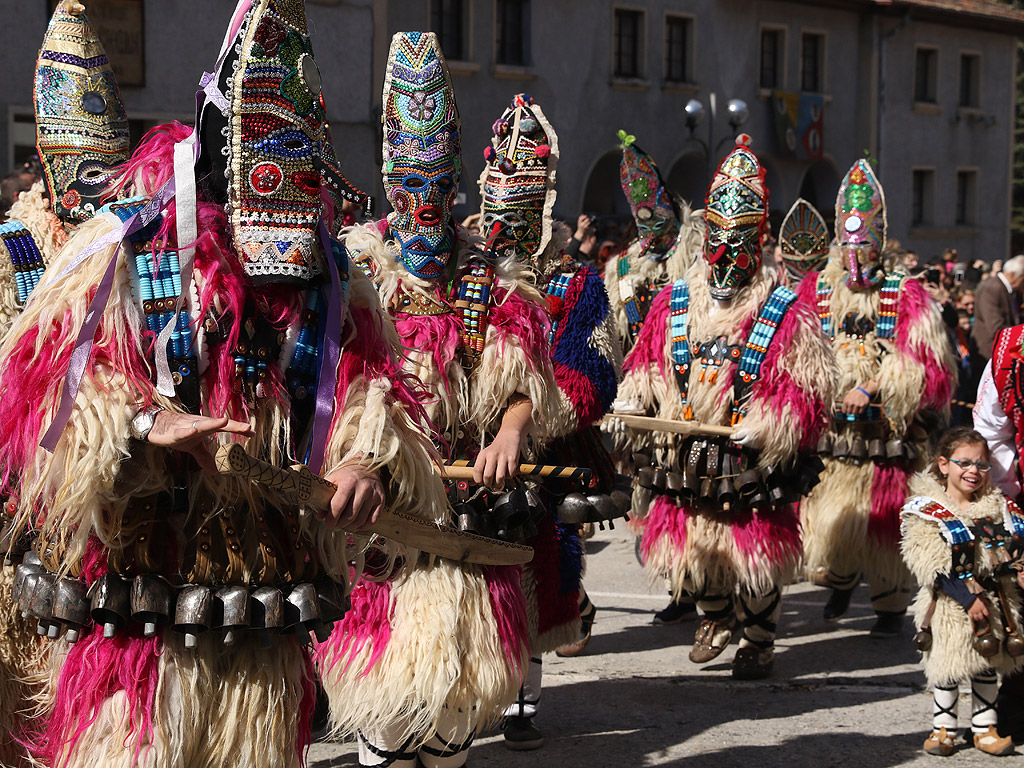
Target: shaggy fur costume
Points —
{"points": [[753, 550], [147, 700], [851, 519], [952, 657], [445, 634], [644, 272]]}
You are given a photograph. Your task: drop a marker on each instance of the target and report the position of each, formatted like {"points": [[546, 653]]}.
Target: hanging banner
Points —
{"points": [[799, 124]]}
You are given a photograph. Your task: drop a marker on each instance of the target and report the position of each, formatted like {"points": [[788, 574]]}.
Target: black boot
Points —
{"points": [[838, 604], [675, 613], [888, 624]]}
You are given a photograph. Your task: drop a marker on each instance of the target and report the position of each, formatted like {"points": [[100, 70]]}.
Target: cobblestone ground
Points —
{"points": [[837, 698]]}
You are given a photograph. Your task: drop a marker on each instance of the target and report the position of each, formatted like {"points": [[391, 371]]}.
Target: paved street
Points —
{"points": [[837, 698]]}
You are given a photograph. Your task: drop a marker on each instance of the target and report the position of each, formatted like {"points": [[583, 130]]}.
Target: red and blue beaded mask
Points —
{"points": [[650, 200], [736, 213], [422, 142], [517, 186], [860, 226], [81, 125]]}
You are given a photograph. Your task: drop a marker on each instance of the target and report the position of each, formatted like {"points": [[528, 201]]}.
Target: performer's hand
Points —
{"points": [[747, 439], [613, 425], [499, 461], [977, 610], [359, 500], [856, 401], [188, 434]]}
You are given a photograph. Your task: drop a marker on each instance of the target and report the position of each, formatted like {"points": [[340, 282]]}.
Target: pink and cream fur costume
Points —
{"points": [[444, 645], [851, 519]]}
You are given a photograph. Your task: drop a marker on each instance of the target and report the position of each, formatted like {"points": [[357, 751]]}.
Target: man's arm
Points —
{"points": [[995, 426]]}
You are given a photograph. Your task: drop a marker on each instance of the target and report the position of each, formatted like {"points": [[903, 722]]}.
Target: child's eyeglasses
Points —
{"points": [[965, 464]]}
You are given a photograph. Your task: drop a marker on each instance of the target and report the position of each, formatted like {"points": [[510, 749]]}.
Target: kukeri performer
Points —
{"points": [[803, 242], [82, 134], [421, 661], [669, 237], [728, 346], [518, 193], [964, 543], [895, 363], [152, 568]]}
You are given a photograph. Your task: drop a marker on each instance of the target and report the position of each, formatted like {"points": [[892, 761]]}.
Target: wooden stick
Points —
{"points": [[463, 470], [652, 424], [312, 490]]}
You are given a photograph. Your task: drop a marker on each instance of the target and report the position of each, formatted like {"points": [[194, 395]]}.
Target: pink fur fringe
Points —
{"points": [[367, 621], [509, 608], [888, 493], [650, 344], [914, 307]]}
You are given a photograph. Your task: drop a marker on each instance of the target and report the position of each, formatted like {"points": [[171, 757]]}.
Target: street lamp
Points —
{"points": [[737, 113]]}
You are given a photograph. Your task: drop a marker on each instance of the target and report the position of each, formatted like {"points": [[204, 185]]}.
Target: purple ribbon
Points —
{"points": [[330, 357], [87, 335]]}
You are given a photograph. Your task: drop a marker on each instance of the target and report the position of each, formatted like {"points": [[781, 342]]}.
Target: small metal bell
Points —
{"points": [[645, 477], [231, 607], [893, 448], [858, 448], [71, 606], [1014, 645], [40, 602], [923, 640], [660, 479], [674, 484], [111, 603], [876, 449], [748, 482], [841, 448], [193, 613], [267, 613], [302, 611], [29, 564], [985, 643], [28, 585], [152, 601], [825, 443]]}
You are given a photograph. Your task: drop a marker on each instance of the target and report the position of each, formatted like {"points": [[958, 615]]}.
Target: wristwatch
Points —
{"points": [[143, 422]]}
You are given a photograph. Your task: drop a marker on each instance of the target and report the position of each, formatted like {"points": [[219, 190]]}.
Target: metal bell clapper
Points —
{"points": [[231, 605], [29, 564], [302, 611], [40, 604], [152, 601], [193, 613], [267, 613], [111, 603], [71, 606]]}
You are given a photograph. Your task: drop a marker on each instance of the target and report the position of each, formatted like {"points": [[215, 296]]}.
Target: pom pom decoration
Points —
{"points": [[506, 166], [522, 100], [542, 150], [743, 140], [490, 153], [555, 306], [500, 127]]}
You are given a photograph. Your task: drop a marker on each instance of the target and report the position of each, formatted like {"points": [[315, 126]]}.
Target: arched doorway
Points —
{"points": [[819, 187], [688, 177], [602, 194]]}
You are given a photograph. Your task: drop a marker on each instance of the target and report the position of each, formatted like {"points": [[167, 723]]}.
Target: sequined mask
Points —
{"points": [[422, 142], [517, 186], [650, 200], [81, 125], [860, 226], [737, 214], [804, 240], [278, 145]]}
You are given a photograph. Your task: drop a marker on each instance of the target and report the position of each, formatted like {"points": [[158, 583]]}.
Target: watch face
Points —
{"points": [[143, 423]]}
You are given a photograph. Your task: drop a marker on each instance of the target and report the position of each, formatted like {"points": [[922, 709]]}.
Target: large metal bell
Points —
{"points": [[574, 509], [622, 500], [660, 479], [825, 443], [511, 512], [231, 607], [28, 585], [71, 606], [267, 613], [893, 448], [876, 448], [1014, 645], [858, 448], [111, 603], [193, 613], [749, 482], [334, 604], [645, 477], [302, 611], [603, 505], [152, 601], [841, 448]]}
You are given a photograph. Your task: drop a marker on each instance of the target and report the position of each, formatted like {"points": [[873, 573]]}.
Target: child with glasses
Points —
{"points": [[963, 542]]}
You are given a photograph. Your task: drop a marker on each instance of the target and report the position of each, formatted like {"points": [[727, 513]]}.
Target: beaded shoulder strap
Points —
{"points": [[679, 307], [954, 532], [823, 304], [557, 287], [24, 255], [888, 305], [473, 304], [636, 302], [760, 339]]}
